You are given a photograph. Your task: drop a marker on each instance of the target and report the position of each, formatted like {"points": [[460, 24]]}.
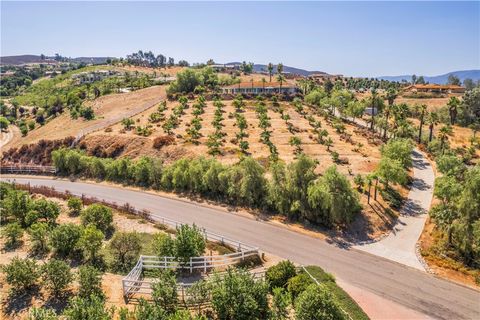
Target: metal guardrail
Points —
{"points": [[28, 169]]}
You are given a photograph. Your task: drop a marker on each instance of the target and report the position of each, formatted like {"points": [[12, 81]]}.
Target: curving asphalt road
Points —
{"points": [[414, 289]]}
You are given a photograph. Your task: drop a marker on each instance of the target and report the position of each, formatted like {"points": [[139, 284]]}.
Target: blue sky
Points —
{"points": [[351, 38]]}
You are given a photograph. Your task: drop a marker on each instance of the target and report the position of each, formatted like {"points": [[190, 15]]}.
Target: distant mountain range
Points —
{"points": [[30, 58], [263, 68], [440, 79]]}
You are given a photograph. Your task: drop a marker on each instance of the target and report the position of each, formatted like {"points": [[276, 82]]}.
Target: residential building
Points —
{"points": [[435, 88], [92, 76], [259, 87]]}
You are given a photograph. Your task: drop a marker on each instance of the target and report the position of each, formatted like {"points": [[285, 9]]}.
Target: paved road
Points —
{"points": [[400, 244], [395, 282]]}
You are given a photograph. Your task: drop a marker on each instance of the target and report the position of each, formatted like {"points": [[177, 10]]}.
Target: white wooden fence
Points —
{"points": [[28, 169]]}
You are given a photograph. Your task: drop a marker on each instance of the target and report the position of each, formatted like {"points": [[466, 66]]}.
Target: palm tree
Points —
{"points": [[453, 104], [390, 96], [280, 68], [422, 109], [443, 134], [270, 70], [281, 79], [432, 121], [263, 83]]}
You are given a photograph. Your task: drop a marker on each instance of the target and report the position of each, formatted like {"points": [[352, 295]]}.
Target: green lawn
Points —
{"points": [[343, 299]]}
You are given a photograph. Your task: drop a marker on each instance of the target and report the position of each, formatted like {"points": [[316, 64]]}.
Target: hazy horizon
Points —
{"points": [[350, 38]]}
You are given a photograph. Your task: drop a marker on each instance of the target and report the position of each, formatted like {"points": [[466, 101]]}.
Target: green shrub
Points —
{"points": [[237, 295], [298, 284], [316, 302], [21, 274], [189, 242], [56, 276], [39, 237], [279, 274], [125, 249], [91, 242], [64, 238], [98, 215], [164, 291], [163, 245], [74, 205], [90, 282], [89, 308], [280, 303], [12, 232]]}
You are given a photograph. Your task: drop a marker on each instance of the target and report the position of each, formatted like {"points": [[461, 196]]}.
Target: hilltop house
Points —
{"points": [[434, 88], [92, 76], [259, 87]]}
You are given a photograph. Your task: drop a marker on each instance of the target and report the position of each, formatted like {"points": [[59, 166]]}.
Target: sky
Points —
{"points": [[350, 38]]}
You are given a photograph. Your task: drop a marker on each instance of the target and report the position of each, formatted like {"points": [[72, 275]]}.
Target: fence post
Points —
{"points": [[204, 265], [191, 265]]}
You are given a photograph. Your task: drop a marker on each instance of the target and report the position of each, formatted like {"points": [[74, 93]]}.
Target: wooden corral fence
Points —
{"points": [[28, 169]]}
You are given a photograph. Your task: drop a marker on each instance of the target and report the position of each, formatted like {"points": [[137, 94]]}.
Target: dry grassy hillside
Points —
{"points": [[108, 109]]}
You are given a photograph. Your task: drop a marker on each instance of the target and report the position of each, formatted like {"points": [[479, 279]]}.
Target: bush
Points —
{"points": [[38, 237], [280, 303], [298, 284], [189, 242], [125, 248], [164, 291], [98, 215], [279, 274], [90, 308], [90, 282], [163, 245], [21, 274], [64, 238], [237, 295], [44, 210], [12, 232], [74, 205], [316, 302], [56, 276], [91, 241]]}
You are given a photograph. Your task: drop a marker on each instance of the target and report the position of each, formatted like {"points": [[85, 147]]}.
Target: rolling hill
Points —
{"points": [[440, 79]]}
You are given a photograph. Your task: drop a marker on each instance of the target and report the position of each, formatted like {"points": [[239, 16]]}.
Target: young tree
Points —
{"points": [[422, 110], [125, 248], [74, 205], [56, 276], [12, 232], [270, 70], [280, 303], [89, 308], [198, 294], [316, 302], [163, 245], [278, 275], [64, 238], [237, 295], [189, 242], [39, 237], [164, 291], [21, 274], [432, 122], [392, 170], [91, 242], [453, 105], [90, 282], [98, 215]]}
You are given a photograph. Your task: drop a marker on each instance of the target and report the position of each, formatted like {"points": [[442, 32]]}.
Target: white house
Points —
{"points": [[259, 87]]}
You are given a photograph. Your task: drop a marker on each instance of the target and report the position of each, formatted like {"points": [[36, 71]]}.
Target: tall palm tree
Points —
{"points": [[432, 121], [280, 68], [443, 134], [390, 96], [263, 83], [453, 104], [281, 79], [422, 109], [270, 70]]}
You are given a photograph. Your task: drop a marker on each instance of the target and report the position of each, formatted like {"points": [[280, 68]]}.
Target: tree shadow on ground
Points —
{"points": [[17, 302]]}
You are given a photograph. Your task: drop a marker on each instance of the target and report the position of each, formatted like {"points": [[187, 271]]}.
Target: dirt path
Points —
{"points": [[400, 244], [6, 137]]}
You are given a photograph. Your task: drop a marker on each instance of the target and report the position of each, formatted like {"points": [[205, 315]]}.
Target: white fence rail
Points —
{"points": [[29, 169]]}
